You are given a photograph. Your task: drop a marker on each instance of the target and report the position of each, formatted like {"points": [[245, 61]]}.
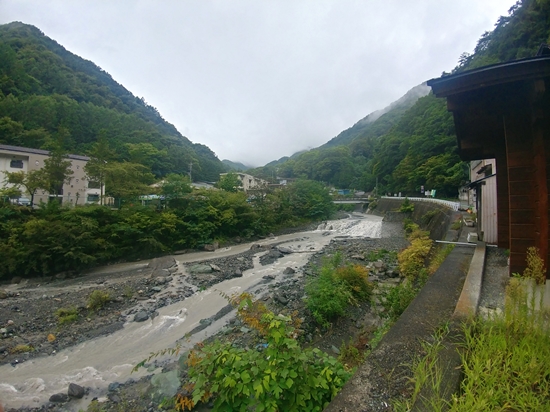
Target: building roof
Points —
{"points": [[481, 98], [38, 151]]}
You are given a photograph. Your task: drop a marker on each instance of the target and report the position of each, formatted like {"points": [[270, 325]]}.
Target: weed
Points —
{"points": [[128, 292], [439, 257], [98, 299], [396, 299], [457, 224], [66, 315], [350, 355], [535, 266], [21, 349]]}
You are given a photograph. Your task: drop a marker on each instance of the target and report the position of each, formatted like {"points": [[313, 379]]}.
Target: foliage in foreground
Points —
{"points": [[336, 288], [504, 358], [277, 375]]}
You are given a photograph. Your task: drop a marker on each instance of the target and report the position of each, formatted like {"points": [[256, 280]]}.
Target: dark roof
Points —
{"points": [[495, 74], [38, 151]]}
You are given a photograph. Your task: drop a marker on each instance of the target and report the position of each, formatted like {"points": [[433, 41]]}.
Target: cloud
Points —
{"points": [[258, 80]]}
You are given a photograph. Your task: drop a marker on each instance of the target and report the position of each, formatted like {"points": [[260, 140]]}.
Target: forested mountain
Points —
{"points": [[408, 147], [47, 93], [237, 166]]}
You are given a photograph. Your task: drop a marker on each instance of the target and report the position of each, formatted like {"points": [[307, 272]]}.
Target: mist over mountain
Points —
{"points": [[412, 142]]}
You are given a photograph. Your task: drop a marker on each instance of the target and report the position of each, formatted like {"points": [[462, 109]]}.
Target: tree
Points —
{"points": [[97, 166], [31, 181], [230, 182], [127, 180], [174, 187], [56, 171]]}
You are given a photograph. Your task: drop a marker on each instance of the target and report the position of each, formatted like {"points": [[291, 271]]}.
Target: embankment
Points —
{"points": [[436, 219]]}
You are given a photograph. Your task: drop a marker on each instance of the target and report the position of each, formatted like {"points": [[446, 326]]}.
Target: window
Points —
{"points": [[16, 164], [93, 198], [93, 185]]}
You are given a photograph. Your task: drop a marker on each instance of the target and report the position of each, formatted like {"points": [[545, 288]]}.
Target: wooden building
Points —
{"points": [[503, 111]]}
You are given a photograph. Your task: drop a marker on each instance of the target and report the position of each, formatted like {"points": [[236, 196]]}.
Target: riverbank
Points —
{"points": [[145, 289]]}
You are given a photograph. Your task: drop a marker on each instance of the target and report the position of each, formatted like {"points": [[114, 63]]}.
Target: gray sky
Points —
{"points": [[256, 80]]}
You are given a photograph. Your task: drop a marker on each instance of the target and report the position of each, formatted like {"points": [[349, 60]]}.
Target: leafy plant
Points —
{"points": [[98, 299], [407, 206], [21, 348], [336, 288], [66, 315], [280, 377]]}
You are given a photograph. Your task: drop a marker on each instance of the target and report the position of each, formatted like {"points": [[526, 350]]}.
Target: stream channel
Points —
{"points": [[96, 363]]}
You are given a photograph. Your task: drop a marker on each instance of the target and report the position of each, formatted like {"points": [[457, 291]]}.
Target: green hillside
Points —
{"points": [[47, 93], [409, 147]]}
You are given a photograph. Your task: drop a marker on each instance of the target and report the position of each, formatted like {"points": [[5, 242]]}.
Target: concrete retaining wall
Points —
{"points": [[436, 219]]}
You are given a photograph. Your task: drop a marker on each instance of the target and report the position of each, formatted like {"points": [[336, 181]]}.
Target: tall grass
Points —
{"points": [[505, 360]]}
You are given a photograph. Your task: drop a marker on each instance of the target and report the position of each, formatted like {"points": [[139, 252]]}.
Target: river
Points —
{"points": [[97, 362]]}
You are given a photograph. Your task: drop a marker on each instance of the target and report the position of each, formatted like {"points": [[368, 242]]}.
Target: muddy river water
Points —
{"points": [[97, 362]]}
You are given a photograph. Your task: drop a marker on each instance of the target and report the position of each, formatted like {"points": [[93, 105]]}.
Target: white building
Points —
{"points": [[249, 182], [78, 191]]}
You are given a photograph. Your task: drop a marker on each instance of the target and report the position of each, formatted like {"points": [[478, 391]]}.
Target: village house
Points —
{"points": [[78, 191]]}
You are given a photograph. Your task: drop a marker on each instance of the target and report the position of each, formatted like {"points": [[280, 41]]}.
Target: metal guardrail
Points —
{"points": [[446, 203]]}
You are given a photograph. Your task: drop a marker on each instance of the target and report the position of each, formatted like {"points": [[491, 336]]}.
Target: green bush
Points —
{"points": [[406, 206], [66, 315], [336, 288], [98, 299], [397, 299], [277, 376]]}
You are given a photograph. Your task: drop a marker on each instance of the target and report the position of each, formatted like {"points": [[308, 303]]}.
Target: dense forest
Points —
{"points": [[403, 150], [49, 94]]}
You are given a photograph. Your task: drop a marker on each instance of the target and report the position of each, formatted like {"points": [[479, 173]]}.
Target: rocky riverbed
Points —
{"points": [[31, 326]]}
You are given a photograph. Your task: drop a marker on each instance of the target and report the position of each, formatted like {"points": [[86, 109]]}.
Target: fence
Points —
{"points": [[446, 203]]}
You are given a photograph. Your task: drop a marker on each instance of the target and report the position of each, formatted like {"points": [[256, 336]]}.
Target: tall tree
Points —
{"points": [[96, 168], [230, 182]]}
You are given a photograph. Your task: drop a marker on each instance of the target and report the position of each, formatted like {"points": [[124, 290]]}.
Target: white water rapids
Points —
{"points": [[98, 362]]}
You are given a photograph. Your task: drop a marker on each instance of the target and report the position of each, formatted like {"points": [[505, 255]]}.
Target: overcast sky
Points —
{"points": [[256, 80]]}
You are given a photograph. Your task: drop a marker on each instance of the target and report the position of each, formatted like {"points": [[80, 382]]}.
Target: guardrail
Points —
{"points": [[446, 203]]}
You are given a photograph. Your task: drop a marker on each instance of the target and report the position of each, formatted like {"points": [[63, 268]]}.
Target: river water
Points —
{"points": [[97, 362]]}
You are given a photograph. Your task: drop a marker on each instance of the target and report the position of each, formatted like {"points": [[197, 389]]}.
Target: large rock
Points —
{"points": [[200, 269], [3, 294], [165, 385], [141, 316], [76, 391], [59, 397]]}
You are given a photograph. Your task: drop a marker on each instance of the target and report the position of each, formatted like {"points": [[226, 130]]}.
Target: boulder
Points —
{"points": [[165, 385], [59, 397], [141, 316], [289, 271], [200, 269], [284, 250], [3, 294], [76, 391]]}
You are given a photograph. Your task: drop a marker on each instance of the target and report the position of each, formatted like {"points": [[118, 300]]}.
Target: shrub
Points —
{"points": [[406, 206], [357, 278], [337, 287], [409, 226], [397, 299], [535, 266], [66, 315], [277, 376], [98, 299], [412, 260]]}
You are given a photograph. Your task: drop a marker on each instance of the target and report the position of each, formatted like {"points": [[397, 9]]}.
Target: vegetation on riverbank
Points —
{"points": [[505, 358], [53, 239]]}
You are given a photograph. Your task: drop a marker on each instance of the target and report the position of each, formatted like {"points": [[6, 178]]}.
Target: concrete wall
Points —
{"points": [[432, 217]]}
